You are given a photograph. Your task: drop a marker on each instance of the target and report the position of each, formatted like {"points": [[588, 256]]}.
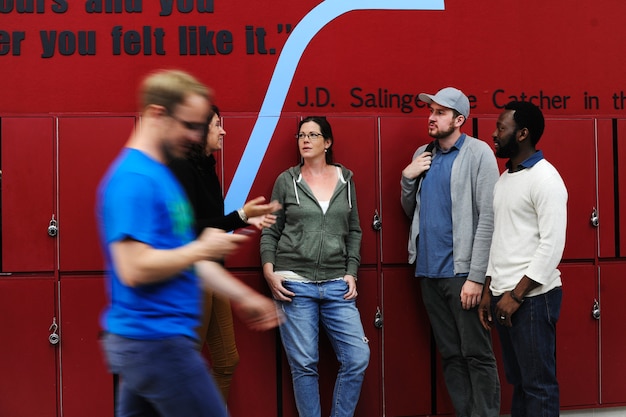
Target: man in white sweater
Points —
{"points": [[523, 286]]}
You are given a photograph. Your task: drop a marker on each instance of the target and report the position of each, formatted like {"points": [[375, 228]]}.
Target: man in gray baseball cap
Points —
{"points": [[451, 225], [451, 98]]}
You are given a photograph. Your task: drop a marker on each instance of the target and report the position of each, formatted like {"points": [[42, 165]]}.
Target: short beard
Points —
{"points": [[442, 134], [511, 149]]}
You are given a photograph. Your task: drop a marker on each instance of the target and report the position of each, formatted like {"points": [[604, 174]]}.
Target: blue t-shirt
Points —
{"points": [[139, 198], [434, 246]]}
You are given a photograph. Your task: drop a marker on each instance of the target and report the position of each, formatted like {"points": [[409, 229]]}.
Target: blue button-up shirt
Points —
{"points": [[528, 162], [434, 245]]}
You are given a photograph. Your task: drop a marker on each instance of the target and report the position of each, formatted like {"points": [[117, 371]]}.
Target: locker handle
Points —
{"points": [[53, 338], [378, 319], [595, 311], [377, 224], [595, 221], [53, 229]]}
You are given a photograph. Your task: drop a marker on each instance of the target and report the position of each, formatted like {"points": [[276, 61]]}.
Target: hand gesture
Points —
{"points": [[418, 166], [484, 311], [255, 207], [260, 222], [352, 293], [505, 309], [275, 282], [216, 244], [471, 294], [258, 312]]}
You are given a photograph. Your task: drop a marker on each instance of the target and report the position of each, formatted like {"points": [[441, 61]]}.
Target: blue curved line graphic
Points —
{"points": [[283, 75]]}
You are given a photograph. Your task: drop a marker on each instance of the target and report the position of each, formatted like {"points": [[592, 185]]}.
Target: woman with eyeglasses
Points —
{"points": [[198, 177], [310, 259]]}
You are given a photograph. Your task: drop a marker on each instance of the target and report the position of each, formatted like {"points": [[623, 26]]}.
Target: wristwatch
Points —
{"points": [[242, 215]]}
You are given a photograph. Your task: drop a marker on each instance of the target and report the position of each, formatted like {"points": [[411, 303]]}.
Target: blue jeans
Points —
{"points": [[162, 378], [315, 304], [469, 365], [529, 354]]}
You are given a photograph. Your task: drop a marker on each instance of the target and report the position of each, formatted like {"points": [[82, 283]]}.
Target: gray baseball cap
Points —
{"points": [[449, 97]]}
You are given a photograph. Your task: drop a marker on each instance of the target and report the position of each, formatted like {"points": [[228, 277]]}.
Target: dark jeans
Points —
{"points": [[469, 365], [162, 378], [529, 354]]}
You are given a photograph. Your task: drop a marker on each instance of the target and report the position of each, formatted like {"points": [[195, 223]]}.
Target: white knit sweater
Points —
{"points": [[530, 218]]}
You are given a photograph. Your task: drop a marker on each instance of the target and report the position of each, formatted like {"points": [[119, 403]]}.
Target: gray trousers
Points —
{"points": [[469, 365]]}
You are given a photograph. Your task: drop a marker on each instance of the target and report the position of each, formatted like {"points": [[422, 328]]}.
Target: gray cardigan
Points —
{"points": [[474, 174], [308, 242]]}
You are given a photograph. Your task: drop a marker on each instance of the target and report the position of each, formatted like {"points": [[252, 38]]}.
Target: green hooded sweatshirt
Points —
{"points": [[304, 240]]}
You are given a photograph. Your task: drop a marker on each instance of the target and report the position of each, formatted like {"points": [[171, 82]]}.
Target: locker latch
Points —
{"points": [[53, 228], [594, 218], [378, 319], [53, 338]]}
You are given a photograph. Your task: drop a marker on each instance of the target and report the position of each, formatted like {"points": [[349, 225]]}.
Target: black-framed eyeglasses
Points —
{"points": [[312, 136], [199, 128]]}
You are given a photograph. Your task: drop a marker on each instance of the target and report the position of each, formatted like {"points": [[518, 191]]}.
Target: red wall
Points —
{"points": [[64, 115], [493, 50]]}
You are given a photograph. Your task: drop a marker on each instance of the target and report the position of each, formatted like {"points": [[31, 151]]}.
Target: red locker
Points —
{"points": [[254, 388], [577, 337], [29, 379], [607, 172], [620, 174], [87, 146], [87, 386], [612, 335], [399, 138], [407, 345], [281, 154], [28, 194], [569, 145]]}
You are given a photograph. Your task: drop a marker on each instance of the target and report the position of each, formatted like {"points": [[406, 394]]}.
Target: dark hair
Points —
{"points": [[456, 113], [325, 130], [197, 152], [529, 116], [214, 111]]}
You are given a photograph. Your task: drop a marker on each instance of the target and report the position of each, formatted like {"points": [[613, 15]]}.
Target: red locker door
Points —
{"points": [[28, 203], [87, 386], [399, 138], [28, 381], [621, 178], [371, 400], [281, 154], [577, 337], [407, 341], [578, 170], [608, 170], [87, 145], [254, 387], [612, 335]]}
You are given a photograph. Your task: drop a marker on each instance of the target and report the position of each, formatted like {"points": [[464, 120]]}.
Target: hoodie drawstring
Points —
{"points": [[295, 189]]}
